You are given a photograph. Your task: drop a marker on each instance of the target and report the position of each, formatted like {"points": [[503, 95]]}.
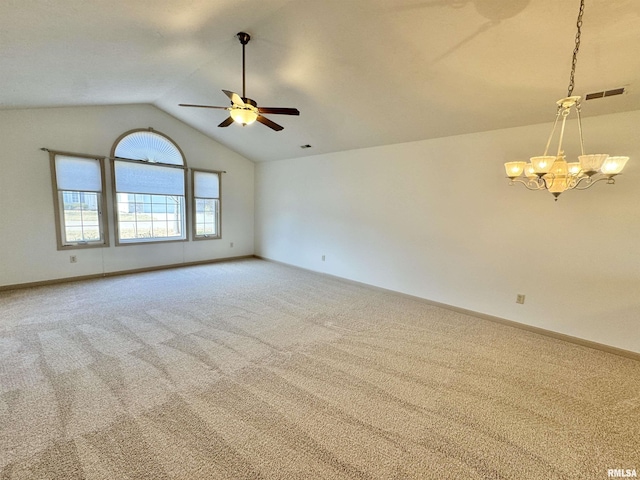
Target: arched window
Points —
{"points": [[149, 182]]}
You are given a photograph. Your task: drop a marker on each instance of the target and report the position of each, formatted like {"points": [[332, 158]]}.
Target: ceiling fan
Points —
{"points": [[244, 110]]}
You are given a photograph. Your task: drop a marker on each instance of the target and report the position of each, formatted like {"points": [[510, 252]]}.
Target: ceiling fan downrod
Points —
{"points": [[244, 38]]}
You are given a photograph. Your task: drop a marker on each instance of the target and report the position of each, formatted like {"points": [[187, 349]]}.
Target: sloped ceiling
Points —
{"points": [[361, 72]]}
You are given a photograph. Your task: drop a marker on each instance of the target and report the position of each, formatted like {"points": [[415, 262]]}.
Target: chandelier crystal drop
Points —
{"points": [[552, 172]]}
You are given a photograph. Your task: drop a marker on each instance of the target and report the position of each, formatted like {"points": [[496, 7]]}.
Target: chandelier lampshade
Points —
{"points": [[613, 165], [514, 169], [542, 164]]}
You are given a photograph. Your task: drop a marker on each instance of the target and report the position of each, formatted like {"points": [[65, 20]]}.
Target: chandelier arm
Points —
{"points": [[529, 184], [578, 108], [546, 150], [590, 182], [548, 180]]}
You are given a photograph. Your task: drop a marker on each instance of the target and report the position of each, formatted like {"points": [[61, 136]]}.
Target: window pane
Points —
{"points": [[206, 217], [91, 232], [80, 216], [127, 230], [73, 234], [159, 210], [161, 219]]}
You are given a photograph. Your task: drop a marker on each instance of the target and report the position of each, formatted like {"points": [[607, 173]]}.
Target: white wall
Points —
{"points": [[437, 219], [27, 228]]}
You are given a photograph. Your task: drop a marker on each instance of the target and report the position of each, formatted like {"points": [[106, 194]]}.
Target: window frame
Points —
{"points": [[141, 241], [194, 234], [58, 205]]}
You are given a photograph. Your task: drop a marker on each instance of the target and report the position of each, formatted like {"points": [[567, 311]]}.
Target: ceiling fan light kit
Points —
{"points": [[246, 114], [552, 172], [244, 110], [243, 116]]}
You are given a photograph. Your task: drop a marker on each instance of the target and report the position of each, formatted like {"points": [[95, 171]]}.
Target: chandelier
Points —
{"points": [[552, 172]]}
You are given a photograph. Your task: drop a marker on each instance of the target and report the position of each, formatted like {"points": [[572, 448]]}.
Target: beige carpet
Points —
{"points": [[252, 370]]}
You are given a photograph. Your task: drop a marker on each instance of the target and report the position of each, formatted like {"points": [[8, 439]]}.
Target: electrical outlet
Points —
{"points": [[323, 258], [520, 298], [73, 259]]}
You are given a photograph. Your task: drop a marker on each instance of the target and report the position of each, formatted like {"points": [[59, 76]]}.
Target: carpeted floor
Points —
{"points": [[250, 369]]}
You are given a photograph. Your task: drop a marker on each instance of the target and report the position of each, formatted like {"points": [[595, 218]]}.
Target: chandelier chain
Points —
{"points": [[574, 60]]}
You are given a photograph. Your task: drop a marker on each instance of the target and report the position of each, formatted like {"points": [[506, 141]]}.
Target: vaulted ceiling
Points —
{"points": [[362, 72]]}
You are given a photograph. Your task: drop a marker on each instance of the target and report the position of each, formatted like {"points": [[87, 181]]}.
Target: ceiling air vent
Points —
{"points": [[606, 93]]}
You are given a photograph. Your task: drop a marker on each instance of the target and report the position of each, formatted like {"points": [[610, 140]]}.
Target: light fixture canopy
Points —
{"points": [[552, 172]]}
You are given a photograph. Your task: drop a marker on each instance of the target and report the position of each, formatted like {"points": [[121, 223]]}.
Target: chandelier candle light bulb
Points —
{"points": [[553, 173]]}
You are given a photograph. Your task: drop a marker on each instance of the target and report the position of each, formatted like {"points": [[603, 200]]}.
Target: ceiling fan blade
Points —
{"points": [[269, 123], [279, 110], [201, 106], [228, 121], [235, 98]]}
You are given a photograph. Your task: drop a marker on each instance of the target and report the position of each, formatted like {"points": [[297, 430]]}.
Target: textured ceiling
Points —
{"points": [[361, 72]]}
